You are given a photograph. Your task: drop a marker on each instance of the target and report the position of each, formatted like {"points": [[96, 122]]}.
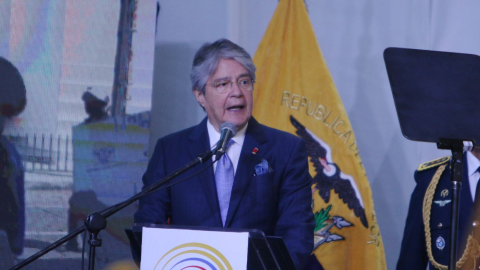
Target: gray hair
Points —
{"points": [[206, 60]]}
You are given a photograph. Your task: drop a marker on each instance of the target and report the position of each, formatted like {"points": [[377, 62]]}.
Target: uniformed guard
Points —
{"points": [[426, 239]]}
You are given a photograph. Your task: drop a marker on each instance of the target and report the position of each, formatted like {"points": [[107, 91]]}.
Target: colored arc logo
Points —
{"points": [[196, 267], [193, 256]]}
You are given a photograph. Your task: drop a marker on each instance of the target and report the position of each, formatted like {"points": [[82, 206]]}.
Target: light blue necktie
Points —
{"points": [[224, 176]]}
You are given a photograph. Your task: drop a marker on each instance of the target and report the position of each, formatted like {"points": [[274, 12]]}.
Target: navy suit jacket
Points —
{"points": [[413, 253], [277, 202]]}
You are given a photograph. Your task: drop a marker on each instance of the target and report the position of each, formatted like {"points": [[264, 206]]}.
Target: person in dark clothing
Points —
{"points": [[12, 194]]}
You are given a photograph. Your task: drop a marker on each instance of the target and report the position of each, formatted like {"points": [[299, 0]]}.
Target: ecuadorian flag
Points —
{"points": [[295, 92]]}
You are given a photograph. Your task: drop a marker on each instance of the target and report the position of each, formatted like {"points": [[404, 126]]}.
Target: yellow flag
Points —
{"points": [[295, 92]]}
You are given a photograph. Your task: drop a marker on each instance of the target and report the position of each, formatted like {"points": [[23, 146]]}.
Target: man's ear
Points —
{"points": [[200, 97]]}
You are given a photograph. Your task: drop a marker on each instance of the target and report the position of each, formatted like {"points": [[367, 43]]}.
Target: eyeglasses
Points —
{"points": [[244, 83]]}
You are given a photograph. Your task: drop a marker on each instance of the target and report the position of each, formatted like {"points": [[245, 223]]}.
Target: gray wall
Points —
{"points": [[352, 36]]}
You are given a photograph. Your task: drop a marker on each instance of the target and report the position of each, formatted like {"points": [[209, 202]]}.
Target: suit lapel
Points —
{"points": [[199, 143], [254, 138]]}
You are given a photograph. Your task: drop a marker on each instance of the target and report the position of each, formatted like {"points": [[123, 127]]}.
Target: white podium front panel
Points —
{"points": [[175, 249]]}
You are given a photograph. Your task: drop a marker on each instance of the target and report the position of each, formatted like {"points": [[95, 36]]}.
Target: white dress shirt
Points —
{"points": [[234, 150], [473, 174]]}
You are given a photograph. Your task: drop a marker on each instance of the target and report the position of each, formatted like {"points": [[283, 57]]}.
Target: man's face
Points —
{"points": [[233, 106]]}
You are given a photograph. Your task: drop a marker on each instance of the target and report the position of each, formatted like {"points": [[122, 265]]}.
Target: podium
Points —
{"points": [[172, 247]]}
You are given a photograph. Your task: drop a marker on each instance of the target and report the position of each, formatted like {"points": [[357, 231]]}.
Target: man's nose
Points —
{"points": [[235, 90]]}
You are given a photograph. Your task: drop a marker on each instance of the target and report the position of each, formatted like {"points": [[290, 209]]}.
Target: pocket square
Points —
{"points": [[262, 168]]}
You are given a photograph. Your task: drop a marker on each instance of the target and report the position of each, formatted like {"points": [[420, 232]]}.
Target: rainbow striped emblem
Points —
{"points": [[193, 256]]}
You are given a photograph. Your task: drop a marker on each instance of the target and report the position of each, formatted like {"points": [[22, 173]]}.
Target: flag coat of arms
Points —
{"points": [[294, 92]]}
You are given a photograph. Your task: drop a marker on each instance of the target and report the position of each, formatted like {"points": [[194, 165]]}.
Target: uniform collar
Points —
{"points": [[472, 163]]}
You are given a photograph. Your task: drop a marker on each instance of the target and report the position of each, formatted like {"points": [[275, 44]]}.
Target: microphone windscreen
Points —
{"points": [[230, 126]]}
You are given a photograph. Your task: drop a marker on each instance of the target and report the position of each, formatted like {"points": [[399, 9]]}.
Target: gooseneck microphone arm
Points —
{"points": [[94, 217], [95, 222]]}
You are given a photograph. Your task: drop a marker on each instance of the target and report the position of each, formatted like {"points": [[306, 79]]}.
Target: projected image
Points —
{"points": [[75, 107], [12, 173]]}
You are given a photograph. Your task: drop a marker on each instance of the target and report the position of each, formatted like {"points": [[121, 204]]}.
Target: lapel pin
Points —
{"points": [[444, 193], [442, 203], [255, 150]]}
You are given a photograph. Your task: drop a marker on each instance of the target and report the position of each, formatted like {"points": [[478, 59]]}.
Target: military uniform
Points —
{"points": [[431, 204]]}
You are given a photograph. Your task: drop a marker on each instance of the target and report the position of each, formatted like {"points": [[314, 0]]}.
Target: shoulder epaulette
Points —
{"points": [[433, 163]]}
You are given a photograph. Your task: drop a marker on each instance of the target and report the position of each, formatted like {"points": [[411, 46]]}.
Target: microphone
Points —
{"points": [[228, 130]]}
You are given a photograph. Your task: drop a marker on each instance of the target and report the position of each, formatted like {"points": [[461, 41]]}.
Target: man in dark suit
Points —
{"points": [[271, 183], [431, 204]]}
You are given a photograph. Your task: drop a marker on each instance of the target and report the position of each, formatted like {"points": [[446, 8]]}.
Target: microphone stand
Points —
{"points": [[96, 222], [457, 147]]}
